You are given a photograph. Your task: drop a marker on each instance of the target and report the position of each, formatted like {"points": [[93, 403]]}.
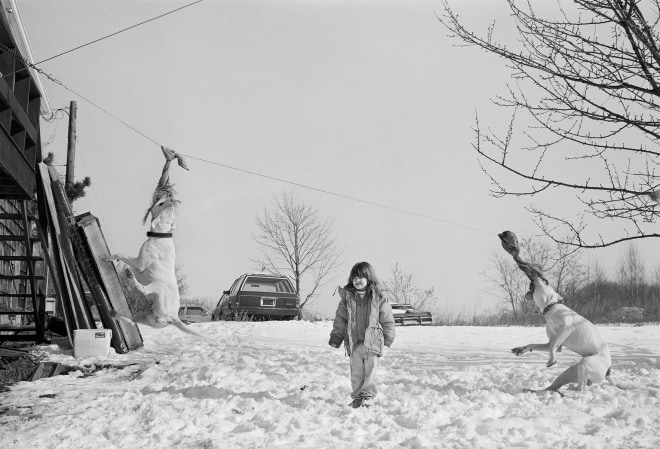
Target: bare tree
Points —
{"points": [[632, 275], [568, 271], [655, 277], [586, 82], [297, 243], [590, 299], [181, 279], [508, 283], [403, 289]]}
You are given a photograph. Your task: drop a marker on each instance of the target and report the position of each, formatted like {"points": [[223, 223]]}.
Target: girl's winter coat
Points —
{"points": [[380, 330]]}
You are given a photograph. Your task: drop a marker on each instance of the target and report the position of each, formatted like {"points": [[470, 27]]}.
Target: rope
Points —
{"points": [[372, 203], [104, 37]]}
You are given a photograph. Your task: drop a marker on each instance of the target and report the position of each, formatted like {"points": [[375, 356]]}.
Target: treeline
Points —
{"points": [[607, 302], [632, 297], [600, 301]]}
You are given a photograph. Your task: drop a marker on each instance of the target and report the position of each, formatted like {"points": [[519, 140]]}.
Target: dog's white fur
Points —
{"points": [[154, 270], [567, 328]]}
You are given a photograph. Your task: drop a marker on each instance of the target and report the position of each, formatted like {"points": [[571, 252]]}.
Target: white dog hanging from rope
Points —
{"points": [[153, 270]]}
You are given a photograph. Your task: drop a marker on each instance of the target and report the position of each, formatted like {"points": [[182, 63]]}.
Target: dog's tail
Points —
{"points": [[148, 319], [185, 328]]}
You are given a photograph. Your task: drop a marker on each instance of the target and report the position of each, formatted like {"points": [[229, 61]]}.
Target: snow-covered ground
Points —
{"points": [[279, 385]]}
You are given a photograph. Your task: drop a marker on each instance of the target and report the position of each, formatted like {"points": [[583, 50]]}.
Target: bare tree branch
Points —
{"points": [[403, 289], [586, 88]]}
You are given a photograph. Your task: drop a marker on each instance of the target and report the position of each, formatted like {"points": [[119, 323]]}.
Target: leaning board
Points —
{"points": [[67, 236], [65, 291], [107, 291]]}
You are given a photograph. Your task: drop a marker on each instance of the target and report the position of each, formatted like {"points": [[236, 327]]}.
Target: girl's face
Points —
{"points": [[359, 283]]}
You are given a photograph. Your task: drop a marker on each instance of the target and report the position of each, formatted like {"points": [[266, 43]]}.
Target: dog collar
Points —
{"points": [[159, 235], [549, 306]]}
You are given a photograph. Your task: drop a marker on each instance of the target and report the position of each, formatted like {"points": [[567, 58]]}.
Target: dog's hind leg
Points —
{"points": [[593, 368], [142, 318], [571, 375], [149, 319], [136, 267], [135, 281]]}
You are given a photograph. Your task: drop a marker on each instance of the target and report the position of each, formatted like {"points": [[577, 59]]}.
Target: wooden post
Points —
{"points": [[71, 147]]}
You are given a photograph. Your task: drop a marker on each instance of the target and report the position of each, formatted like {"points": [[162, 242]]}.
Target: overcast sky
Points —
{"points": [[366, 99]]}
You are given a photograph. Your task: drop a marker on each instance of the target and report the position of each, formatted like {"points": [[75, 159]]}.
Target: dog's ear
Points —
{"points": [[146, 216]]}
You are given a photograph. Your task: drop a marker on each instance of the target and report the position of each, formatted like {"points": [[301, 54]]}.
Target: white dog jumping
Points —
{"points": [[567, 328], [564, 327], [154, 267]]}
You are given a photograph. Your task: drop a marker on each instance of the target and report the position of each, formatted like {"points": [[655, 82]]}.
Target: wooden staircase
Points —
{"points": [[46, 249], [23, 274]]}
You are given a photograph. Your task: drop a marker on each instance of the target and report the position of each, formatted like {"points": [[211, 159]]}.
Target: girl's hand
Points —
{"points": [[335, 340]]}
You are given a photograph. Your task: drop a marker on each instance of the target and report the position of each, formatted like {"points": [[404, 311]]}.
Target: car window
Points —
{"points": [[234, 286], [269, 285], [195, 311]]}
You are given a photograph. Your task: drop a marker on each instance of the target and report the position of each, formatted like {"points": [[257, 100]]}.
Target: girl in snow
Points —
{"points": [[364, 322]]}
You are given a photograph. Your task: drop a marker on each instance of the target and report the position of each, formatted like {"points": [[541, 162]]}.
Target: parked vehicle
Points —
{"points": [[405, 314], [196, 313], [259, 296]]}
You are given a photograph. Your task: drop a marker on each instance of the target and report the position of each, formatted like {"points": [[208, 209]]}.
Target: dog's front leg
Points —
{"points": [[136, 263], [520, 350], [556, 343]]}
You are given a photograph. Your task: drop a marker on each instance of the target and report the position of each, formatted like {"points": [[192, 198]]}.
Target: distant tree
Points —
{"points": [[587, 78], [298, 243], [402, 288], [181, 280], [49, 159], [599, 298], [655, 277], [508, 283], [568, 271], [77, 189], [589, 299], [653, 309], [631, 275]]}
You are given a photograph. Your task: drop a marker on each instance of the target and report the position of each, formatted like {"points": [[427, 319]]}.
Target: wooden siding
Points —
{"points": [[20, 103]]}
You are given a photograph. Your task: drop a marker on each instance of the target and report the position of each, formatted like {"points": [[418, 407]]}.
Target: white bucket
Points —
{"points": [[91, 343]]}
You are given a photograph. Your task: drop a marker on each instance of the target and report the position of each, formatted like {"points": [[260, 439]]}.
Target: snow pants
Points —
{"points": [[363, 372]]}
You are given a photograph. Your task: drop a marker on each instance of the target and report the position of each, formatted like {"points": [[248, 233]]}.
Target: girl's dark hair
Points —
{"points": [[363, 270]]}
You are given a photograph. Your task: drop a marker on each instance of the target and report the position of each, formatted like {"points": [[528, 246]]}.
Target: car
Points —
{"points": [[259, 296], [194, 313], [405, 314]]}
